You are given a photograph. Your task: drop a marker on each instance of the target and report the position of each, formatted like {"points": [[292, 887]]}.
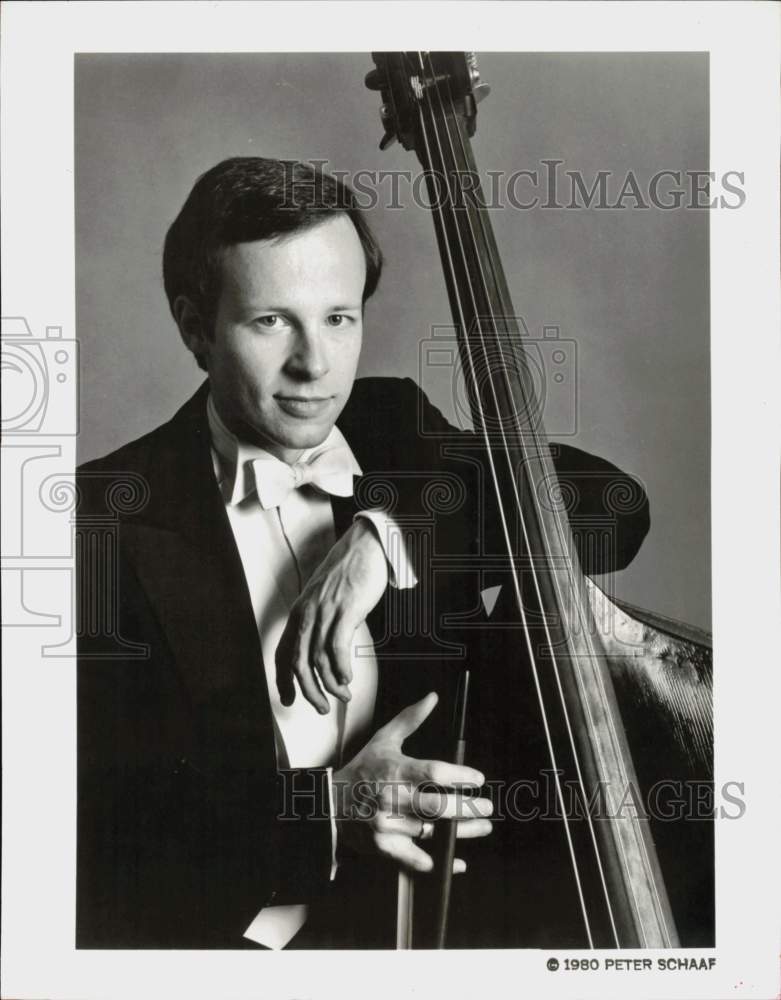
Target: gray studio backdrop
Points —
{"points": [[627, 289]]}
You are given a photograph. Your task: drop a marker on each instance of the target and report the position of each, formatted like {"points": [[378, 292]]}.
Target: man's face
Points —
{"points": [[287, 336]]}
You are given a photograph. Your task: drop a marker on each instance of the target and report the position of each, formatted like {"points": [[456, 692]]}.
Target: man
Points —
{"points": [[247, 747]]}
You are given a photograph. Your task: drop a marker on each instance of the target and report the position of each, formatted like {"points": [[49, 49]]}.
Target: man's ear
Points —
{"points": [[192, 329]]}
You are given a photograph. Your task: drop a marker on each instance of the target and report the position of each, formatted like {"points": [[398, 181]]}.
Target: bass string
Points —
{"points": [[471, 364], [624, 765], [535, 673], [561, 528]]}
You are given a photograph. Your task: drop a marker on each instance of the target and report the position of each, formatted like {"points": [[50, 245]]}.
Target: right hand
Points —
{"points": [[380, 802], [316, 647]]}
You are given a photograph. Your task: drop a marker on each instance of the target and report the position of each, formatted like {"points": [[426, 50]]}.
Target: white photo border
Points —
{"points": [[39, 41]]}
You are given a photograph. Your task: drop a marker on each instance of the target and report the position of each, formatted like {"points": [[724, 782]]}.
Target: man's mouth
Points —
{"points": [[304, 406]]}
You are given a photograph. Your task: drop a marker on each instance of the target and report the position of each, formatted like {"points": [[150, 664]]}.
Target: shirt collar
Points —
{"points": [[232, 457]]}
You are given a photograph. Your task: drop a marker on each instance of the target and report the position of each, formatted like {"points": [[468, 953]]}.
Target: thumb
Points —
{"points": [[409, 719]]}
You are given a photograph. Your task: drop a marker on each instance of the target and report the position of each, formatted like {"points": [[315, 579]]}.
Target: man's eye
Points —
{"points": [[269, 322], [338, 319]]}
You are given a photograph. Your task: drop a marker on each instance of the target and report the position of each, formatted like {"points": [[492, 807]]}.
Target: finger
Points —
{"points": [[408, 826], [459, 866], [341, 646], [423, 829], [312, 691], [469, 829], [442, 773], [284, 659], [290, 660], [403, 850], [299, 628], [330, 659], [310, 687], [302, 669], [408, 719], [321, 662], [321, 665], [446, 805]]}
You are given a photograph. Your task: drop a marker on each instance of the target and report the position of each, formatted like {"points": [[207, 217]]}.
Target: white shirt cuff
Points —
{"points": [[391, 538]]}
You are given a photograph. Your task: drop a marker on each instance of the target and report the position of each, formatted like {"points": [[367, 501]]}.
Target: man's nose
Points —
{"points": [[309, 358]]}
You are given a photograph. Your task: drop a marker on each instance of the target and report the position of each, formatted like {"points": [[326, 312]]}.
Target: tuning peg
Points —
{"points": [[388, 123], [481, 91], [374, 80]]}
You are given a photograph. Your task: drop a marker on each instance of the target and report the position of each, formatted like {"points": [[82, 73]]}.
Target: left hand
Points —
{"points": [[316, 646], [383, 801]]}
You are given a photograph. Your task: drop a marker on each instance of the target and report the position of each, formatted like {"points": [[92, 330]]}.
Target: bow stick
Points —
{"points": [[445, 847]]}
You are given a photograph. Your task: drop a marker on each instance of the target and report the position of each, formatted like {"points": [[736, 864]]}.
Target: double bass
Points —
{"points": [[619, 700]]}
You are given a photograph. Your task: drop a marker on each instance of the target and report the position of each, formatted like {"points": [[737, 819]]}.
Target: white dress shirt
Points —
{"points": [[279, 550]]}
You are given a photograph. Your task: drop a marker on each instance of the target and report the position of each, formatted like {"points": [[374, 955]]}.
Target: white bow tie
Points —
{"points": [[330, 471]]}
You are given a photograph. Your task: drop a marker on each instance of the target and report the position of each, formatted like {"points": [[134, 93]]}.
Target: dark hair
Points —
{"points": [[249, 198]]}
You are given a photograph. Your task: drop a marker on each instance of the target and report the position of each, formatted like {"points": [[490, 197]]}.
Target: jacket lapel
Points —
{"points": [[182, 549]]}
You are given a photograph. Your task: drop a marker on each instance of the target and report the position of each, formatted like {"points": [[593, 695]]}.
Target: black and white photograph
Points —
{"points": [[379, 499]]}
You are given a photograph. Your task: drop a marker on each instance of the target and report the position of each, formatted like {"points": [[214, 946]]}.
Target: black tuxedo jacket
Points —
{"points": [[185, 826]]}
